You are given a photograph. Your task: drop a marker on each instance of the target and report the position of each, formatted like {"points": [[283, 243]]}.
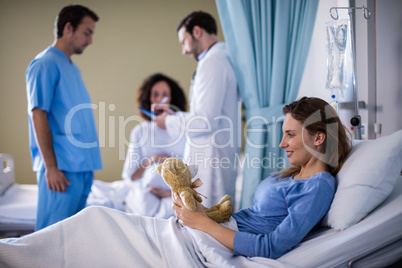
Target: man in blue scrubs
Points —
{"points": [[63, 139]]}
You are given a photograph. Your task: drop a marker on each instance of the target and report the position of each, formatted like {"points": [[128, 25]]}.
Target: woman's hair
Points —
{"points": [[316, 115], [178, 99], [73, 14], [198, 18]]}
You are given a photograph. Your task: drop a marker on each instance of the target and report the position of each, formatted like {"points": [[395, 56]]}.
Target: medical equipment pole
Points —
{"points": [[355, 121]]}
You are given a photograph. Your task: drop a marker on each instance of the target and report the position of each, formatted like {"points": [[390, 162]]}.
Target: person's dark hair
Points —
{"points": [[316, 115], [198, 18], [178, 98], [73, 14]]}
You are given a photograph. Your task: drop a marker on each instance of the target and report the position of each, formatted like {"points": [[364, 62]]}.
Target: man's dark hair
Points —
{"points": [[73, 14], [198, 18]]}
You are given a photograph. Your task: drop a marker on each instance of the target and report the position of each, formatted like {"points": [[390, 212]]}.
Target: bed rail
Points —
{"points": [[6, 172]]}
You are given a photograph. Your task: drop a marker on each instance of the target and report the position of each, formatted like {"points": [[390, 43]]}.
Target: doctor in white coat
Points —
{"points": [[212, 126]]}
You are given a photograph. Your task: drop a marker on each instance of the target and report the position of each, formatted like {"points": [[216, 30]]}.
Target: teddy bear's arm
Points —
{"points": [[222, 211]]}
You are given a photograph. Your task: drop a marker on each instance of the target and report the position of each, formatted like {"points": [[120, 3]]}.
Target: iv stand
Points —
{"points": [[355, 121]]}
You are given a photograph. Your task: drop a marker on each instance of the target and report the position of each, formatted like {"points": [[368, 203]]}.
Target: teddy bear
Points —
{"points": [[178, 176]]}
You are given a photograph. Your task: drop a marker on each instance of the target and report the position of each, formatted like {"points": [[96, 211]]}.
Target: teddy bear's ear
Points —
{"points": [[160, 169]]}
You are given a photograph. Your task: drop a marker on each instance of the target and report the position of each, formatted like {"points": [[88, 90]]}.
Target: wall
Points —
{"points": [[379, 63], [315, 73], [136, 38], [389, 64], [132, 40]]}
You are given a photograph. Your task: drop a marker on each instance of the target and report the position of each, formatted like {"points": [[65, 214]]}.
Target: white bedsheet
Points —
{"points": [[130, 196], [109, 194], [116, 239], [109, 238]]}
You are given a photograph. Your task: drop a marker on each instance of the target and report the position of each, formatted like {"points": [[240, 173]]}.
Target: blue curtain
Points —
{"points": [[268, 41]]}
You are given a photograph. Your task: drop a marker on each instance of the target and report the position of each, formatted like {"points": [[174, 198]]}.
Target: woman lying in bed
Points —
{"points": [[289, 204], [286, 207]]}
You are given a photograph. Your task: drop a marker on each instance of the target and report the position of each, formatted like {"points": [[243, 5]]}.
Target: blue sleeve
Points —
{"points": [[306, 207], [41, 80]]}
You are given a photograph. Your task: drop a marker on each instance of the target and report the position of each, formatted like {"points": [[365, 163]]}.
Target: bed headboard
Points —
{"points": [[6, 172]]}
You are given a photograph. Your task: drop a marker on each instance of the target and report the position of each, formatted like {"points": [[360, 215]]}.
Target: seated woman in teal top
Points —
{"points": [[287, 205]]}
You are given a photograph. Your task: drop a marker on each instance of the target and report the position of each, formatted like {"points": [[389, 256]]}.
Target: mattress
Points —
{"points": [[18, 209]]}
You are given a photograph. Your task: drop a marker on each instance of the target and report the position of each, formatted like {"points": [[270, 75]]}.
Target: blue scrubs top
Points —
{"points": [[54, 84]]}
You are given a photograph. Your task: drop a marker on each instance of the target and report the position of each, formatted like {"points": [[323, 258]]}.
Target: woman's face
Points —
{"points": [[159, 91], [294, 141]]}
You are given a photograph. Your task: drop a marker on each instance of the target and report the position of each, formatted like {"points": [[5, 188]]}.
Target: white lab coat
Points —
{"points": [[212, 127]]}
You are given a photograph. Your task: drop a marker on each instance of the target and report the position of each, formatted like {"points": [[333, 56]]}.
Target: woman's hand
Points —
{"points": [[193, 219], [199, 220], [159, 192]]}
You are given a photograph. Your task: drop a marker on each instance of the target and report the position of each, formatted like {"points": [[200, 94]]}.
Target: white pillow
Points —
{"points": [[366, 179]]}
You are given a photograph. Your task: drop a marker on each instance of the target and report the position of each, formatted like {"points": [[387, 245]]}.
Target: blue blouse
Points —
{"points": [[283, 213]]}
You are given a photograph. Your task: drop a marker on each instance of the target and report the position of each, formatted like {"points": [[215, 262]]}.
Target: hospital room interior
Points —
{"points": [[137, 38]]}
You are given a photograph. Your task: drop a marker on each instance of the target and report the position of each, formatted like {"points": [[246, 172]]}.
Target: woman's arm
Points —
{"points": [[156, 158], [200, 221], [159, 192]]}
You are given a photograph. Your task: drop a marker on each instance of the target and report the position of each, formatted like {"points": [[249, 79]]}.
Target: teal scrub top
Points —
{"points": [[54, 84]]}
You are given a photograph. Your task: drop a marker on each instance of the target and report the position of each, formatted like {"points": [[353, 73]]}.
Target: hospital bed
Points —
{"points": [[17, 201], [363, 227]]}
